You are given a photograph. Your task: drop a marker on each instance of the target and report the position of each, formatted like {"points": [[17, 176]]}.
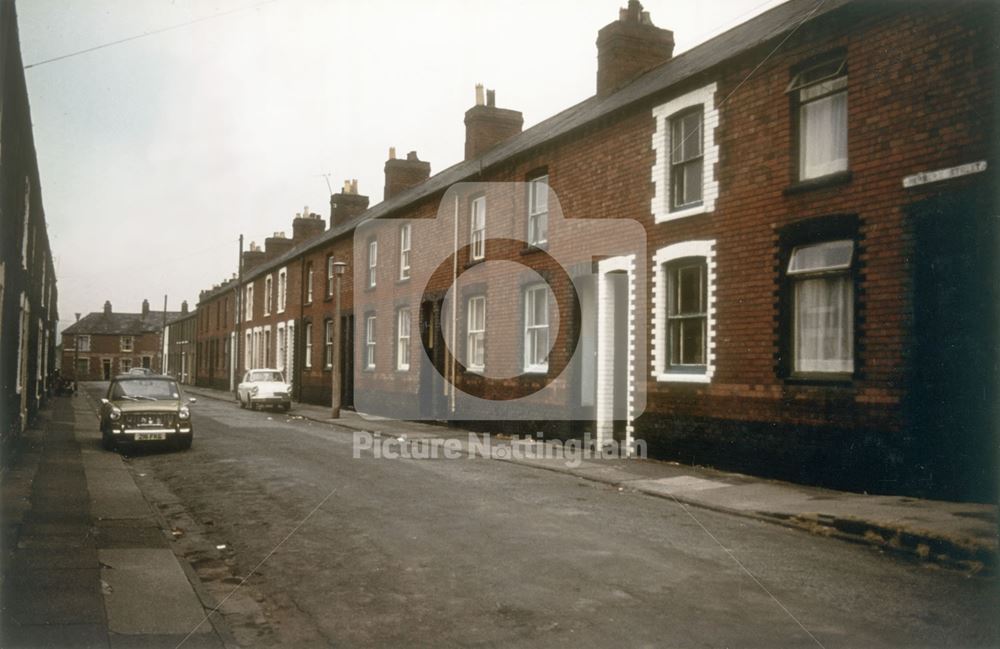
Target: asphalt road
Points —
{"points": [[388, 553]]}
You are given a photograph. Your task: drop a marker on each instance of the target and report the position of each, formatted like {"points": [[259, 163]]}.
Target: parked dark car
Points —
{"points": [[142, 410]]}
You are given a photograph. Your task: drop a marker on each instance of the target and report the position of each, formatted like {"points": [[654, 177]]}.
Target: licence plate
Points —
{"points": [[139, 437]]}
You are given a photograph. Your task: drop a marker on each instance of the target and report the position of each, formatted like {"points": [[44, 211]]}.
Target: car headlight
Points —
{"points": [[253, 390], [115, 414], [183, 413]]}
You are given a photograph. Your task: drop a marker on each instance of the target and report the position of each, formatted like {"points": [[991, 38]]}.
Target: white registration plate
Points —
{"points": [[141, 437]]}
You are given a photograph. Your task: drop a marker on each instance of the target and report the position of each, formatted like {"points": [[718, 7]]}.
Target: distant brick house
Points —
{"points": [[104, 344], [180, 343], [816, 296]]}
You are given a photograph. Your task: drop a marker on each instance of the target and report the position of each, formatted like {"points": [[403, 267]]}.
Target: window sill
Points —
{"points": [[683, 377], [831, 180], [402, 280], [841, 379], [535, 371], [531, 248], [672, 215], [472, 262]]}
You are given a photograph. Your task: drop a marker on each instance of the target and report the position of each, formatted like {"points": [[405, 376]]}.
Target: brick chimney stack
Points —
{"points": [[107, 307], [400, 175], [487, 126], [145, 308], [306, 226], [346, 204], [252, 257], [276, 245], [629, 47], [184, 306]]}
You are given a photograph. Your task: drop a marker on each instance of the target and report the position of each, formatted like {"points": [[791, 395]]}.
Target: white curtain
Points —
{"points": [[824, 325], [823, 136]]}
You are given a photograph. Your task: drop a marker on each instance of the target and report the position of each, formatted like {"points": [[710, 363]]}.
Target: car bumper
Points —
{"points": [[151, 435], [270, 400]]}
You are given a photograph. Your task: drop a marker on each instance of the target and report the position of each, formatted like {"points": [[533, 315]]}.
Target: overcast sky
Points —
{"points": [[155, 154]]}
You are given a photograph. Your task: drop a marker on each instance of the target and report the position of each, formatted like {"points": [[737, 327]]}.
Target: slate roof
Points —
{"points": [[766, 27], [121, 324]]}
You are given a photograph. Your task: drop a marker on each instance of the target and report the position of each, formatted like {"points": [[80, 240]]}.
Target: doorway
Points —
{"points": [[615, 351], [432, 385], [106, 368]]}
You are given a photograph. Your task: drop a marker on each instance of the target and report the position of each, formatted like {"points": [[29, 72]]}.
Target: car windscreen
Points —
{"points": [[140, 390], [266, 376]]}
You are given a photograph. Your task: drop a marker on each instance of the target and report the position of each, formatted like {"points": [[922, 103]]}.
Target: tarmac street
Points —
{"points": [[298, 543]]}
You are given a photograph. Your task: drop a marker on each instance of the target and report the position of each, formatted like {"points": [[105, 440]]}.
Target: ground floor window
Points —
{"points": [[823, 307]]}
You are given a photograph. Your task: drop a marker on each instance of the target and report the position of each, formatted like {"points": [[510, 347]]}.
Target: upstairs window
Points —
{"points": [[686, 159], [687, 314], [538, 210], [268, 285], [404, 252], [820, 93], [372, 262], [282, 290], [126, 343], [309, 282], [823, 308], [83, 343], [475, 354], [329, 275], [477, 228], [249, 303]]}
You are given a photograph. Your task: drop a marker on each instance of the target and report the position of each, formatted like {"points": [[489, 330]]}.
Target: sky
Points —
{"points": [[155, 154]]}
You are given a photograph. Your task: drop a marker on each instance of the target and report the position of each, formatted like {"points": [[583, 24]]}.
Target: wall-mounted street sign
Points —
{"points": [[926, 177]]}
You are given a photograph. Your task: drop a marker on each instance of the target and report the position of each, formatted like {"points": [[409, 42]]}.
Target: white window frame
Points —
{"points": [[660, 205], [477, 228], [405, 232], [532, 329], [370, 342], [130, 346], [537, 213], [307, 361], [248, 314], [248, 350], [403, 324], [676, 123], [664, 256], [268, 292], [475, 333], [309, 283], [329, 276], [124, 365], [282, 289], [83, 342], [372, 263], [328, 344], [265, 347]]}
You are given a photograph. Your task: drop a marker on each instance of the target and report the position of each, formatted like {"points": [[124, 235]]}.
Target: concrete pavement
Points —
{"points": [[85, 561], [958, 535]]}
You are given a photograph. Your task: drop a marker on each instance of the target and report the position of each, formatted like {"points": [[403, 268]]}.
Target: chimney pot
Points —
{"points": [[145, 307], [77, 317], [479, 94], [184, 306], [392, 153], [491, 98], [107, 307]]}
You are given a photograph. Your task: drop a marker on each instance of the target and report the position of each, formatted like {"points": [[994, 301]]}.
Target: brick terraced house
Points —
{"points": [[28, 295], [813, 296], [104, 344]]}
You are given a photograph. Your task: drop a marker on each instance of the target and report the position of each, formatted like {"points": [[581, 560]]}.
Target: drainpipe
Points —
{"points": [[454, 307]]}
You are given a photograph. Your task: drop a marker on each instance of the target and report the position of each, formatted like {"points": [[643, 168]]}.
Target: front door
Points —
{"points": [[106, 368], [347, 362], [432, 384]]}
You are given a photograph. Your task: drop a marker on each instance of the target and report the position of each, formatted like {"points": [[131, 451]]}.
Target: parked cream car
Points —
{"points": [[264, 387]]}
